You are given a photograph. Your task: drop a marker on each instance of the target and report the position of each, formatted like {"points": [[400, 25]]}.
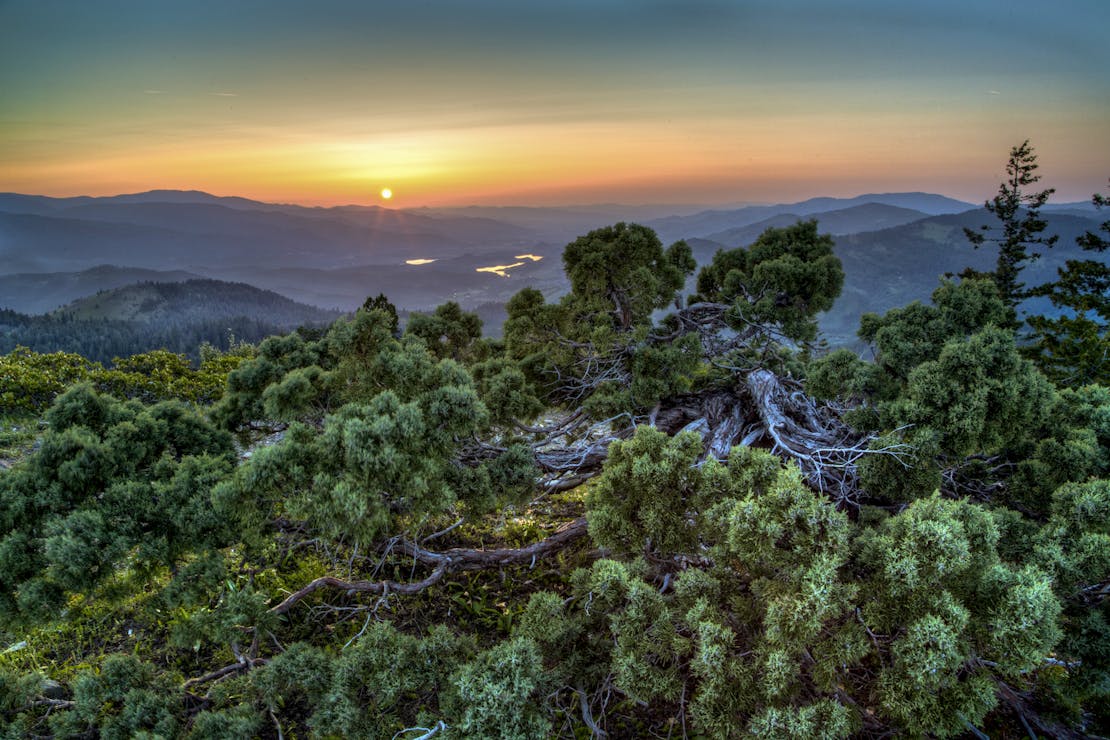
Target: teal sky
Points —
{"points": [[569, 102]]}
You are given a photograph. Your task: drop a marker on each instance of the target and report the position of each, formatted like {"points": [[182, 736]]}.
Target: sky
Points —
{"points": [[493, 102]]}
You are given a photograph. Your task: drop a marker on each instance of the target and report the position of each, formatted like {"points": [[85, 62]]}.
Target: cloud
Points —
{"points": [[226, 94], [993, 92], [154, 92]]}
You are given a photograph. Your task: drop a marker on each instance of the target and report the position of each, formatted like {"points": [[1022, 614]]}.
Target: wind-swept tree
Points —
{"points": [[593, 347], [776, 285]]}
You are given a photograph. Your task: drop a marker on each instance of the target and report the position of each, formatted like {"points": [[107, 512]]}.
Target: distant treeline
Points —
{"points": [[103, 339]]}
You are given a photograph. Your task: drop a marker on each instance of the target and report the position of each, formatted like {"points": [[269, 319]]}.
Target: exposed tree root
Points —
{"points": [[765, 409]]}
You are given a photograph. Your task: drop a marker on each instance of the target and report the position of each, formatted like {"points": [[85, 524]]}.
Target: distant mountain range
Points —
{"points": [[56, 250], [204, 233], [865, 217], [707, 223]]}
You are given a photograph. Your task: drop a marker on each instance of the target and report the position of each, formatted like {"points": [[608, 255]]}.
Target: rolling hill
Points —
{"points": [[166, 230], [146, 316], [35, 293], [892, 267], [865, 217], [192, 301]]}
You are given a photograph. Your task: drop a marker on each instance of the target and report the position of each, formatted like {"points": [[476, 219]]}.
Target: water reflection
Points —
{"points": [[502, 270]]}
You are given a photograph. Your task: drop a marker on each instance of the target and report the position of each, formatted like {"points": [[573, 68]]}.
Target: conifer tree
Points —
{"points": [[1020, 228], [1074, 347]]}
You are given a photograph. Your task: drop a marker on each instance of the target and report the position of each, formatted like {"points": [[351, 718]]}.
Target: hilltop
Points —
{"points": [[192, 301], [146, 316]]}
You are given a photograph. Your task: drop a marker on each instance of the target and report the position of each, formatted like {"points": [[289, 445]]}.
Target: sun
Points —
{"points": [[386, 193]]}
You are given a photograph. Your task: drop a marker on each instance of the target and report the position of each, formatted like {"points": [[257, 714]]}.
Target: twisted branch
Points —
{"points": [[448, 561]]}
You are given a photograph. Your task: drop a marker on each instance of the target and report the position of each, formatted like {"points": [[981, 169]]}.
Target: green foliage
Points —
{"points": [[112, 483], [649, 490], [496, 694], [775, 597], [1071, 348], [937, 571], [595, 347], [386, 456], [124, 699], [841, 374], [904, 338], [1072, 445], [449, 332], [240, 721], [782, 281], [381, 303], [242, 401], [978, 394], [1074, 546], [623, 273], [506, 391], [825, 720], [136, 551], [1020, 225], [385, 680], [911, 473], [29, 382]]}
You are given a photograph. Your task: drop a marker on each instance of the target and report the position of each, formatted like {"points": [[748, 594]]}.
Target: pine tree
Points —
{"points": [[1074, 348], [1021, 226]]}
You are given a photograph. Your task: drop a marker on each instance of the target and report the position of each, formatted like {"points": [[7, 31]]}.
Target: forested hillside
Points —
{"points": [[602, 525], [40, 293], [177, 317]]}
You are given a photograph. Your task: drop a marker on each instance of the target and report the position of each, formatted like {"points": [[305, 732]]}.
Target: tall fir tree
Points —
{"points": [[1021, 226]]}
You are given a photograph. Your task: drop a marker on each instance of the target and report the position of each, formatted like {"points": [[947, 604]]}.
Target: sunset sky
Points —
{"points": [[481, 102]]}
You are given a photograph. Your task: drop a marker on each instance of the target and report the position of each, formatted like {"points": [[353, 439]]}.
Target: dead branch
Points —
{"points": [[1026, 715], [353, 587], [449, 561], [224, 672], [825, 448], [466, 559]]}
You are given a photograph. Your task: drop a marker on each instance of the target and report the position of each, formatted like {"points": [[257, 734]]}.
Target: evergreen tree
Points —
{"points": [[1074, 347], [1020, 225], [779, 283], [448, 332], [594, 347]]}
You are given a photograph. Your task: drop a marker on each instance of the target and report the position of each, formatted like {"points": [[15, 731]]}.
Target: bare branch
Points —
{"points": [[449, 561], [466, 559], [224, 672]]}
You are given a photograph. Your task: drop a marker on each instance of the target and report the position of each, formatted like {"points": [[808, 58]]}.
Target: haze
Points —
{"points": [[483, 102]]}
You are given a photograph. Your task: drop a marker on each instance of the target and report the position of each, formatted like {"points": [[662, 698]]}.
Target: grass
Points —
{"points": [[17, 436]]}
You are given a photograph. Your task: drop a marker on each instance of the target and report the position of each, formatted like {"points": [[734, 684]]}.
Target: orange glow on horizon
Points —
{"points": [[695, 161], [568, 104]]}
